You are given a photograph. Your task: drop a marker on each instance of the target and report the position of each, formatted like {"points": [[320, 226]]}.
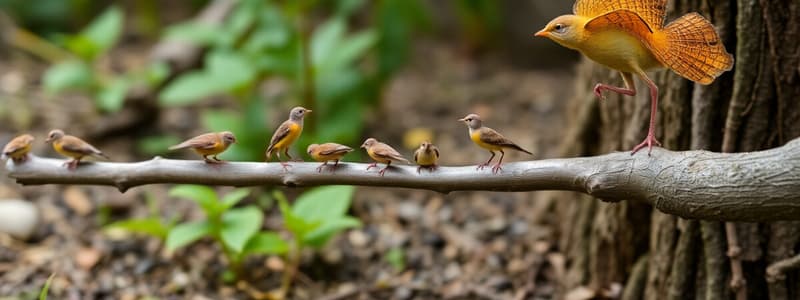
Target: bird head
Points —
{"points": [[368, 143], [564, 30], [311, 148], [298, 113], [473, 121], [425, 145], [228, 138], [54, 135]]}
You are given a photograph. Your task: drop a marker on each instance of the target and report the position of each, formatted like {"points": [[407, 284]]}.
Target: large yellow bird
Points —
{"points": [[286, 134], [18, 148], [209, 144], [73, 147], [629, 36]]}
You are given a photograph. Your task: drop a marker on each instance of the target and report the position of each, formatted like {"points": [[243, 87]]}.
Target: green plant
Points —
{"points": [[46, 287], [152, 225]]}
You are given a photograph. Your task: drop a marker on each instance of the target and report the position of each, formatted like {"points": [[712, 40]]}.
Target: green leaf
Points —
{"points": [[46, 287], [70, 74], [156, 73], [350, 50], [323, 203], [296, 225], [230, 199], [224, 72], [239, 225], [150, 226], [205, 196], [397, 258], [326, 39], [105, 30], [267, 242], [322, 234], [186, 233], [196, 33], [111, 97]]}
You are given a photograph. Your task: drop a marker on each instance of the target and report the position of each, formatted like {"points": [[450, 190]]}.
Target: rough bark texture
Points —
{"points": [[751, 108]]}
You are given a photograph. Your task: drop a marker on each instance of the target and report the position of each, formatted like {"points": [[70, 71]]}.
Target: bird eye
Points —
{"points": [[559, 28]]}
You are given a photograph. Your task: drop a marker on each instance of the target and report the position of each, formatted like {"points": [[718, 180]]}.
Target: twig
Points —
{"points": [[753, 186], [777, 270]]}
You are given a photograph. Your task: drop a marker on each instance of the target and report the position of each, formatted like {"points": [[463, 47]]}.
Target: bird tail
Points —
{"points": [[518, 148], [179, 146], [101, 154], [692, 48]]}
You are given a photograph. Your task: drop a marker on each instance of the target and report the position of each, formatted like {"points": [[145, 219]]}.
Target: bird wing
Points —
{"points": [[653, 12], [416, 155], [492, 137], [78, 146], [435, 151], [335, 149], [280, 134], [206, 141], [386, 152], [624, 20]]}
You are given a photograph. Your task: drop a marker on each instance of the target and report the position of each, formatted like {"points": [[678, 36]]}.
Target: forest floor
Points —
{"points": [[464, 245]]}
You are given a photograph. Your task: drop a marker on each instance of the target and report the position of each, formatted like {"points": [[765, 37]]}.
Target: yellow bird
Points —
{"points": [[629, 36], [73, 147], [426, 156], [209, 144], [489, 139], [327, 152], [381, 153], [286, 134], [18, 148]]}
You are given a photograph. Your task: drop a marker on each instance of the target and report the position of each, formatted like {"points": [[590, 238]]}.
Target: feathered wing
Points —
{"points": [[653, 12], [78, 146], [690, 45], [335, 149], [204, 141], [386, 152], [279, 134], [492, 137]]}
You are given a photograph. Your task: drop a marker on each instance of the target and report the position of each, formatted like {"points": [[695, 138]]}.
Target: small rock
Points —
{"points": [[433, 239], [180, 280], [516, 265], [276, 264], [332, 255], [357, 238], [497, 224], [19, 218], [144, 265], [452, 271], [86, 258], [499, 283], [78, 201], [402, 293], [409, 211], [518, 228]]}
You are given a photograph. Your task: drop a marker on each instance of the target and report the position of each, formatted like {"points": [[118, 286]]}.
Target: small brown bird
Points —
{"points": [[286, 134], [73, 147], [209, 144], [381, 153], [489, 139], [18, 148], [326, 152], [426, 156]]}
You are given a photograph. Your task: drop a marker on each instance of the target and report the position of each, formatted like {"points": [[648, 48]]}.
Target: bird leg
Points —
{"points": [[430, 168], [210, 161], [629, 89], [384, 169], [335, 165], [496, 168], [286, 151], [283, 164], [72, 164], [372, 165], [650, 140], [483, 165], [319, 169], [218, 160]]}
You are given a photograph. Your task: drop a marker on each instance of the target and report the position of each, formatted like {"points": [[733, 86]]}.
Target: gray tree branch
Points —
{"points": [[755, 186]]}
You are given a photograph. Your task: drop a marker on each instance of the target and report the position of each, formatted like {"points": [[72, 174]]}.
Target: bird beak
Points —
{"points": [[462, 120], [48, 140], [308, 110], [542, 33]]}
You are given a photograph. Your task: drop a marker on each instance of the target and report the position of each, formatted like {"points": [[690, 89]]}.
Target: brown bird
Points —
{"points": [[209, 144], [18, 148], [326, 152], [426, 156], [73, 147], [381, 153], [286, 134], [489, 139]]}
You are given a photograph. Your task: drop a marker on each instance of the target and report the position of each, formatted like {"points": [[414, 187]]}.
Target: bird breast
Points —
{"points": [[619, 50]]}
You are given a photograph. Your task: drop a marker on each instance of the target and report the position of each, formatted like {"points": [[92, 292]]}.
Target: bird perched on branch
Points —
{"points": [[327, 152], [489, 139], [286, 134], [629, 36], [18, 148], [381, 153], [209, 144], [73, 147], [426, 156]]}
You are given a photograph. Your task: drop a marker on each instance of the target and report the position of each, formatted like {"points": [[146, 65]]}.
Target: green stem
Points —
{"points": [[292, 264], [309, 86]]}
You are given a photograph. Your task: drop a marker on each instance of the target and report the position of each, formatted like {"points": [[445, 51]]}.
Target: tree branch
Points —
{"points": [[754, 186]]}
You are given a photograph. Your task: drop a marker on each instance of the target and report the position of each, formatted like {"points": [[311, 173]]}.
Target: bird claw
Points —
{"points": [[430, 168], [71, 165], [375, 165], [481, 166], [496, 169], [382, 171], [598, 91], [285, 166], [648, 142]]}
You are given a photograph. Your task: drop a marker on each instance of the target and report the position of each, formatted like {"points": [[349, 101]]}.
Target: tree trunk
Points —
{"points": [[753, 107]]}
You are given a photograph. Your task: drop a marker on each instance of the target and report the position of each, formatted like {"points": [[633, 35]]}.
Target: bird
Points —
{"points": [[18, 148], [381, 153], [629, 36], [73, 147], [489, 139], [426, 156], [286, 134], [327, 152], [209, 144]]}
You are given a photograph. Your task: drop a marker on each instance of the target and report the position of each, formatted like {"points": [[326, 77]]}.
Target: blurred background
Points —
{"points": [[134, 77]]}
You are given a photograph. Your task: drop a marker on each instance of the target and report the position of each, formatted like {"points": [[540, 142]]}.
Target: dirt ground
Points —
{"points": [[475, 245]]}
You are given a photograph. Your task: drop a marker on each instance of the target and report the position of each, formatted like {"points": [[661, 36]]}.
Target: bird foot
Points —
{"points": [[496, 169], [598, 91], [71, 165], [430, 168], [648, 142], [296, 160], [214, 162], [382, 171], [319, 169], [373, 165], [285, 166], [481, 166]]}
